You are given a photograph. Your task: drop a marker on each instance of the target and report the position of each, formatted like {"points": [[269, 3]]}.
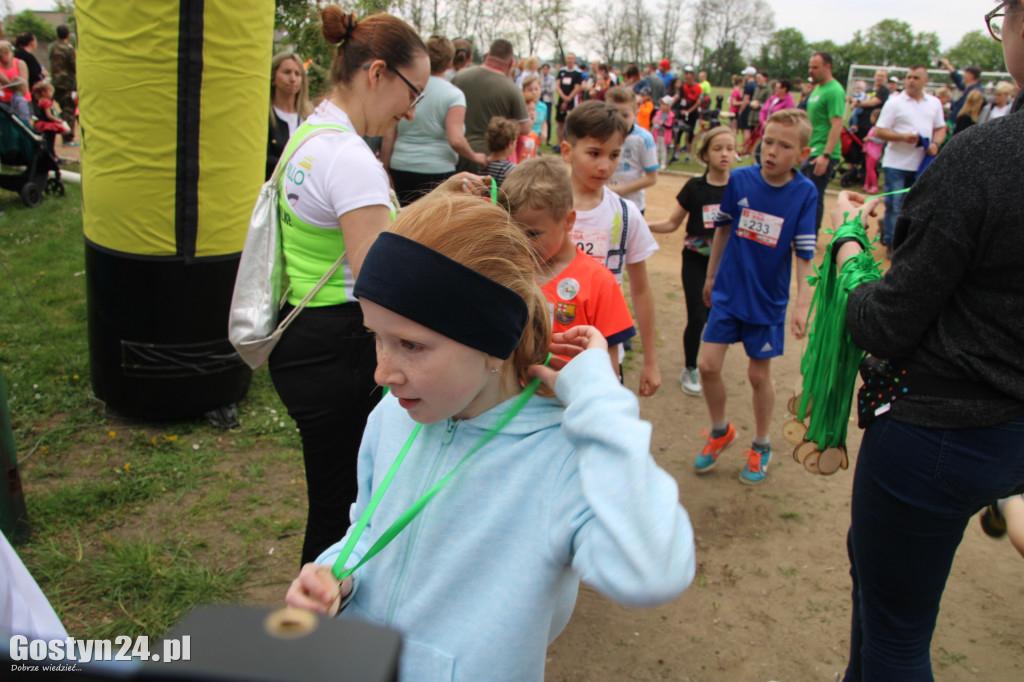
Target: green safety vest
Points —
{"points": [[309, 251]]}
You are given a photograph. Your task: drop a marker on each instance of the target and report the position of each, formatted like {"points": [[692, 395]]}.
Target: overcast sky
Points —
{"points": [[837, 21], [950, 19]]}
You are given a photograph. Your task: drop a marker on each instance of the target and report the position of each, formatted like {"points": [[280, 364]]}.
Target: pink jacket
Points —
{"points": [[775, 103], [661, 124]]}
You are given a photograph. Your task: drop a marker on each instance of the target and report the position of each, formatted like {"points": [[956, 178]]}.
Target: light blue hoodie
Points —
{"points": [[487, 575]]}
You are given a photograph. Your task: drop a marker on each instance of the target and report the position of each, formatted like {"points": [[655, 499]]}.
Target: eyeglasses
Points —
{"points": [[416, 92], [994, 20]]}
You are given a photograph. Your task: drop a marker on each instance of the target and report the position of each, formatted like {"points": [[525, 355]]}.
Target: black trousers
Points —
{"points": [[323, 370], [410, 186], [695, 271], [821, 182]]}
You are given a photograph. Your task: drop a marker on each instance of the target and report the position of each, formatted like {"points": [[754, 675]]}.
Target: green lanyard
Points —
{"points": [[339, 570]]}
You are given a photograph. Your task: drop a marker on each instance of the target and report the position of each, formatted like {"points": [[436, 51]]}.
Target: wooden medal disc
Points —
{"points": [[830, 460], [811, 461], [793, 406], [801, 451], [794, 431]]}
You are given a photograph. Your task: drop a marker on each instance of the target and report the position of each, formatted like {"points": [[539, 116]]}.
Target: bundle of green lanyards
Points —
{"points": [[831, 361]]}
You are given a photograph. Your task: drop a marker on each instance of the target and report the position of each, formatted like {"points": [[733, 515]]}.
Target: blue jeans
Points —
{"points": [[895, 179], [914, 491]]}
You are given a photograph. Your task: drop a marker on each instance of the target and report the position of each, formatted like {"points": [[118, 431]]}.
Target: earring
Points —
{"points": [[494, 372]]}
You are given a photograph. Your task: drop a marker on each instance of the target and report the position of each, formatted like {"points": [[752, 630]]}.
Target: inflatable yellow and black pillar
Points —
{"points": [[174, 102]]}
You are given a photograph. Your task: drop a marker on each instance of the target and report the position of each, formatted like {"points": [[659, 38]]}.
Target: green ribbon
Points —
{"points": [[494, 191], [339, 570], [832, 360]]}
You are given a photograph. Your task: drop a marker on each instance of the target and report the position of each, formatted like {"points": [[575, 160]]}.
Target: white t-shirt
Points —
{"points": [[598, 232], [998, 112], [291, 119], [333, 174], [903, 114], [422, 144], [639, 157]]}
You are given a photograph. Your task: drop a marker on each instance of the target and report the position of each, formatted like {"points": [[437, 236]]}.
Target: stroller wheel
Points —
{"points": [[31, 195], [849, 178], [55, 186]]}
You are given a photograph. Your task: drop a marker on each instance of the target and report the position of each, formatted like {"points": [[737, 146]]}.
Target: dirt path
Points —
{"points": [[772, 596]]}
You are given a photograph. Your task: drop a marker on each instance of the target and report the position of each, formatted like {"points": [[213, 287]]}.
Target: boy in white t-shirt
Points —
{"points": [[638, 163], [609, 228]]}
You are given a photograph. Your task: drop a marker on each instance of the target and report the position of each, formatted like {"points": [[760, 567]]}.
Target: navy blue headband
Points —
{"points": [[431, 289]]}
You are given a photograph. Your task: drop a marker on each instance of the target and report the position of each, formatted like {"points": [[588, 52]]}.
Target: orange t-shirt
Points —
{"points": [[643, 115], [527, 146], [587, 293]]}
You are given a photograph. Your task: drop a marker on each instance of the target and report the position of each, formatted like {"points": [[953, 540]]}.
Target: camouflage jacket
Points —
{"points": [[62, 66]]}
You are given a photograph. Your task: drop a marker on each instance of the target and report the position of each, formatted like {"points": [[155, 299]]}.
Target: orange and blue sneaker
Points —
{"points": [[757, 465], [708, 457]]}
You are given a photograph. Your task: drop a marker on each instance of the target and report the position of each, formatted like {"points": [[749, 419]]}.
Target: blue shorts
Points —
{"points": [[760, 341]]}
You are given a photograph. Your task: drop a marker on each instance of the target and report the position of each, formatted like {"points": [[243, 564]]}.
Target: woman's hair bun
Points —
{"points": [[337, 25]]}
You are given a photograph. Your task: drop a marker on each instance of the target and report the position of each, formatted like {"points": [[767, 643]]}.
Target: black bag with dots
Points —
{"points": [[884, 382]]}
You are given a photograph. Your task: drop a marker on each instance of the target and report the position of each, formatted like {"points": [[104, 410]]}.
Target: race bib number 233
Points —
{"points": [[761, 227]]}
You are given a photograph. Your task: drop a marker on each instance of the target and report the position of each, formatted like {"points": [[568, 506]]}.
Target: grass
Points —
{"points": [[133, 523]]}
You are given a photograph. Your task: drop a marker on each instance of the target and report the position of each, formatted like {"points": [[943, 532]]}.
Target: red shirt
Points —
{"points": [[587, 293], [691, 94]]}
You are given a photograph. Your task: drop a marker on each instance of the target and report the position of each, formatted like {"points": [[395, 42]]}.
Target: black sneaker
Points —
{"points": [[992, 522]]}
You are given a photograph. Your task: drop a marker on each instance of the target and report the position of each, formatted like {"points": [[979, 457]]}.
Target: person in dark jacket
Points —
{"points": [[289, 103], [24, 46], [950, 312]]}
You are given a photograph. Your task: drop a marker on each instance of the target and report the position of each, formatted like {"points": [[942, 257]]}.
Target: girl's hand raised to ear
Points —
{"points": [[571, 342]]}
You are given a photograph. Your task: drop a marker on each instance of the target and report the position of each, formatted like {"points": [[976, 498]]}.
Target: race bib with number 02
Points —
{"points": [[760, 227], [594, 243]]}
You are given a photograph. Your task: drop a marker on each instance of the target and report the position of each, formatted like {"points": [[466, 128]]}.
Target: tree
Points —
{"points": [[606, 35], [68, 7], [700, 26], [557, 23], [978, 48], [725, 29], [26, 20], [723, 61], [639, 33], [532, 22], [893, 42], [300, 20], [670, 25], [424, 15], [785, 55]]}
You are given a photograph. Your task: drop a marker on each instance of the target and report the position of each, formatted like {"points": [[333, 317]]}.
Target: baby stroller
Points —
{"points": [[20, 145], [854, 166], [710, 118]]}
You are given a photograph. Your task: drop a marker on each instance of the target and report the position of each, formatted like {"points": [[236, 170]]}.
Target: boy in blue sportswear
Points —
{"points": [[768, 212]]}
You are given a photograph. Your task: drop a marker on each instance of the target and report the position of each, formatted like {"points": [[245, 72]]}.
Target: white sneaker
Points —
{"points": [[689, 379]]}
